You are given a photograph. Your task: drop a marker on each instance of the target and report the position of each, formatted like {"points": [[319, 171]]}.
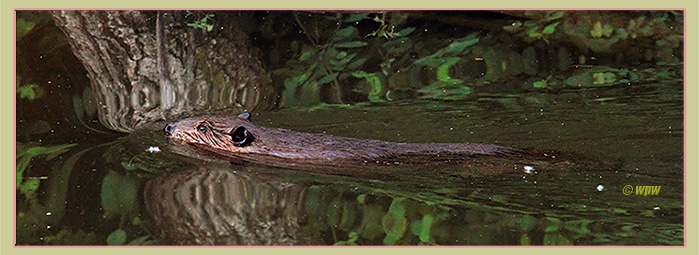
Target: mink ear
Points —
{"points": [[245, 115], [241, 137]]}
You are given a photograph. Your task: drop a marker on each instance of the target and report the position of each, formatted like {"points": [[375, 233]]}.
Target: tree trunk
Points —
{"points": [[146, 66]]}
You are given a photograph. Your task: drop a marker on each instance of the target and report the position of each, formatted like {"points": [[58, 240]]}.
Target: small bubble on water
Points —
{"points": [[528, 169]]}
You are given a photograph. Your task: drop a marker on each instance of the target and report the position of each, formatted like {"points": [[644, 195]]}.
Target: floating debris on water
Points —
{"points": [[528, 169], [153, 149]]}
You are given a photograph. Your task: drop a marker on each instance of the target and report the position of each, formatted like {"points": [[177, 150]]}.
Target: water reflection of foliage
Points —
{"points": [[349, 63], [40, 215]]}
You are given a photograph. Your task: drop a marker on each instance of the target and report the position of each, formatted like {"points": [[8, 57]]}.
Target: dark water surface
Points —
{"points": [[94, 194], [85, 185]]}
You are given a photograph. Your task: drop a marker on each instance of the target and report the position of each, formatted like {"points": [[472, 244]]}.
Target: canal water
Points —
{"points": [[81, 184], [95, 193]]}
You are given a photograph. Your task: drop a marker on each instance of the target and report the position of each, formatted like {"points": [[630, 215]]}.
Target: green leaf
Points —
{"points": [[406, 32], [306, 55], [118, 237], [553, 225], [394, 222], [353, 44], [22, 164], [556, 15], [374, 81], [596, 31], [51, 152], [361, 198], [292, 82], [328, 78], [119, 195], [23, 27], [353, 236], [534, 33], [540, 84], [443, 71], [27, 92], [578, 226], [556, 239], [310, 93], [341, 55], [139, 241], [356, 64], [607, 30], [25, 157], [422, 228], [356, 17], [347, 59], [524, 240], [549, 29], [136, 221], [459, 46], [513, 27], [128, 166], [29, 187], [346, 33], [430, 61]]}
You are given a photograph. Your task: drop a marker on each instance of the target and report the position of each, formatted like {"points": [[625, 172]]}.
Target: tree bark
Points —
{"points": [[146, 66]]}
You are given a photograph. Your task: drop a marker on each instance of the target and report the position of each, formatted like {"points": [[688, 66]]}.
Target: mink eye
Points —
{"points": [[202, 128], [241, 137]]}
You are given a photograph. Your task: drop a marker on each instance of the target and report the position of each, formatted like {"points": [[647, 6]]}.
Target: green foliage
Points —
{"points": [[554, 224], [346, 33], [446, 87], [443, 72], [543, 23], [23, 27], [375, 82], [455, 49], [141, 241], [524, 240], [119, 195], [353, 44], [324, 71], [394, 222], [353, 236], [542, 83], [30, 92], [557, 239], [118, 237], [356, 17], [382, 31], [603, 78], [68, 237], [578, 226], [361, 198], [422, 228], [25, 154], [326, 65], [599, 30], [201, 22]]}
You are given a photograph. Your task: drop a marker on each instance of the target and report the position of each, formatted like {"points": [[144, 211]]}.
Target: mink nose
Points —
{"points": [[169, 129]]}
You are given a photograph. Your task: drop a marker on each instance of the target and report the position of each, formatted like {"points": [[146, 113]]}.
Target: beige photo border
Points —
{"points": [[7, 109]]}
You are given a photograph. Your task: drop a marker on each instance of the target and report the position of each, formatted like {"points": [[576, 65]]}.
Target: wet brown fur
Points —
{"points": [[342, 155]]}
